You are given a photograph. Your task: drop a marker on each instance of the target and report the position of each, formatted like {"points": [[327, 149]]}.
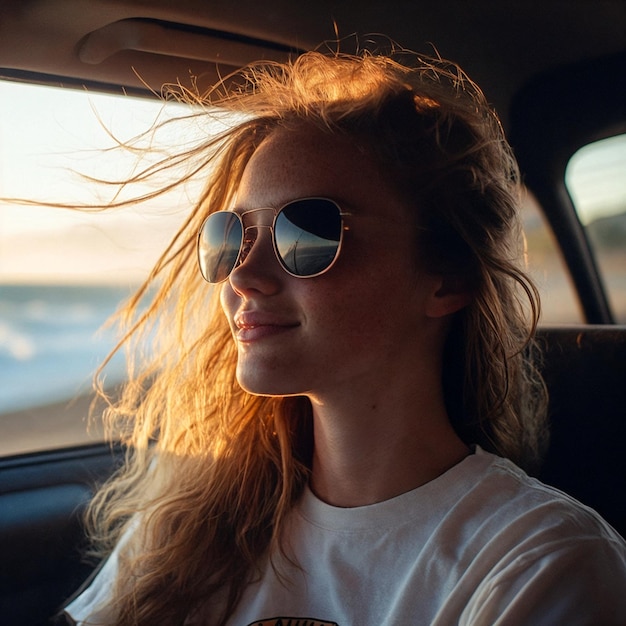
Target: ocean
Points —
{"points": [[51, 341]]}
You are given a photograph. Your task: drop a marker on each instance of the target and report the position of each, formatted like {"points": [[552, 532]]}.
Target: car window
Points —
{"points": [[559, 302], [597, 185], [64, 272]]}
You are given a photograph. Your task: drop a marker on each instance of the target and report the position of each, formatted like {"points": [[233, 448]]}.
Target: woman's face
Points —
{"points": [[366, 320]]}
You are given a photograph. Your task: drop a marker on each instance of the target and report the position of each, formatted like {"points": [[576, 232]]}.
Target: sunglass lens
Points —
{"points": [[308, 233], [219, 245]]}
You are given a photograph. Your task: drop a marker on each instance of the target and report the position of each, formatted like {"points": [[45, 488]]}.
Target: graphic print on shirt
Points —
{"points": [[292, 621]]}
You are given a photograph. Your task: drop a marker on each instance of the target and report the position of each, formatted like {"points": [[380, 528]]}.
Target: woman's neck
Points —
{"points": [[367, 452]]}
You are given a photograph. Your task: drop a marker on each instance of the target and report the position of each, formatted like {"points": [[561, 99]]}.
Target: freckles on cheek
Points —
{"points": [[352, 322], [227, 298], [223, 298]]}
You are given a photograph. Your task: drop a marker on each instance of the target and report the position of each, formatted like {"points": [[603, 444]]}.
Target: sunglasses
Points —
{"points": [[306, 235]]}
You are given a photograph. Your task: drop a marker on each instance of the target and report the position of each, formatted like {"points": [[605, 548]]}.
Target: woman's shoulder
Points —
{"points": [[540, 550], [500, 496]]}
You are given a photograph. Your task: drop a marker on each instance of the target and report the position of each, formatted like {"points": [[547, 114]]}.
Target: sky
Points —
{"points": [[47, 133], [48, 137]]}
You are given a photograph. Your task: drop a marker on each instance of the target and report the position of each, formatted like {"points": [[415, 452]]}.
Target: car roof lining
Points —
{"points": [[486, 37]]}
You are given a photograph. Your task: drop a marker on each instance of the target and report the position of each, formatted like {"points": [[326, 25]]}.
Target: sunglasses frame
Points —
{"points": [[272, 228]]}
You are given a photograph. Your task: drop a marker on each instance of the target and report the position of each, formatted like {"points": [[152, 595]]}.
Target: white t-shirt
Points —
{"points": [[483, 544]]}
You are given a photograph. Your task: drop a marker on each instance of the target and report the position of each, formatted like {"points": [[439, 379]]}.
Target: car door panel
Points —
{"points": [[42, 539]]}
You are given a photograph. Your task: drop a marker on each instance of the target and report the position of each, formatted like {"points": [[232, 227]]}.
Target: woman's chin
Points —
{"points": [[267, 386]]}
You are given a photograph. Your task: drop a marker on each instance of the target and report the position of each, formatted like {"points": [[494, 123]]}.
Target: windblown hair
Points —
{"points": [[212, 471]]}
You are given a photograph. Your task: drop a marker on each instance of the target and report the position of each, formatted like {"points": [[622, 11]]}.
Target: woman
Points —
{"points": [[325, 445]]}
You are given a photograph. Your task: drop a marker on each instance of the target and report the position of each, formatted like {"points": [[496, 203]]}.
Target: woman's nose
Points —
{"points": [[258, 267]]}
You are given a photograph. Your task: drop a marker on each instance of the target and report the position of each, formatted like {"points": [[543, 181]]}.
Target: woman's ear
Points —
{"points": [[450, 293]]}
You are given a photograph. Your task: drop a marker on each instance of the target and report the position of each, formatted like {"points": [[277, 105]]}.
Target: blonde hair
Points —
{"points": [[212, 472]]}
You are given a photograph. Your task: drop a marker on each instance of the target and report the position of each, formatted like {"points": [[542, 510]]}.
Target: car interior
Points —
{"points": [[555, 71]]}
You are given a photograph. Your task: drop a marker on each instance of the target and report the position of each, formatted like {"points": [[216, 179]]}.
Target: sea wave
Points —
{"points": [[51, 341]]}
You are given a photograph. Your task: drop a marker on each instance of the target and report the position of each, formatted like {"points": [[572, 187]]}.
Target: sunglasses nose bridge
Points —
{"points": [[259, 218], [255, 243], [251, 231], [251, 234]]}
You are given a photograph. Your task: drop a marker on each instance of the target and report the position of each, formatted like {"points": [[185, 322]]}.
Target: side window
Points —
{"points": [[64, 272], [559, 302], [595, 178]]}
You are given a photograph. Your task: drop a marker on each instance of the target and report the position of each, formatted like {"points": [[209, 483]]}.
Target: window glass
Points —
{"points": [[596, 180], [64, 272], [546, 266]]}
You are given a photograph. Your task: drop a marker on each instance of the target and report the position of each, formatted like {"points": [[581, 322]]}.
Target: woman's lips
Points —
{"points": [[255, 325]]}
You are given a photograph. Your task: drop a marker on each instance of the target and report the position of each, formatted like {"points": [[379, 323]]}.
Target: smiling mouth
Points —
{"points": [[255, 325], [248, 333]]}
